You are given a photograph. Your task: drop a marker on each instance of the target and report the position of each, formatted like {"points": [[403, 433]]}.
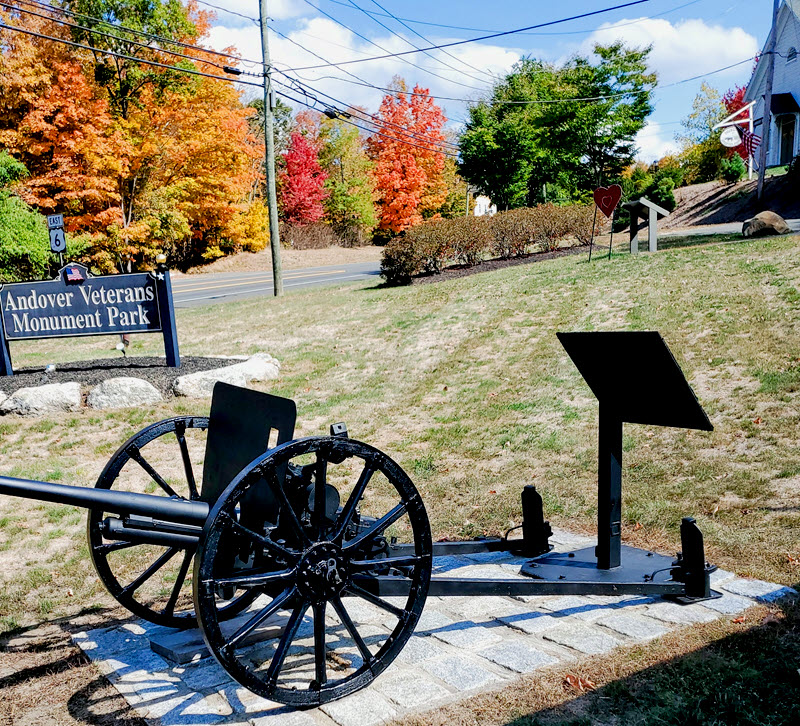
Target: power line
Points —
{"points": [[225, 10], [475, 40], [370, 117], [427, 40], [374, 133], [405, 40], [72, 43], [140, 33], [108, 35], [399, 55]]}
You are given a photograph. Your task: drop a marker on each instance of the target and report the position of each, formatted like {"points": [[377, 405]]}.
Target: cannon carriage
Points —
{"points": [[285, 542]]}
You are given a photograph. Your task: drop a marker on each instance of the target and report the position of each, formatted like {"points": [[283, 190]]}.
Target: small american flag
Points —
{"points": [[750, 141], [74, 274]]}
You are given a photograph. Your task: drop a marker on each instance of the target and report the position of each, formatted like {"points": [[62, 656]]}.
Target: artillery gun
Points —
{"points": [[308, 533]]}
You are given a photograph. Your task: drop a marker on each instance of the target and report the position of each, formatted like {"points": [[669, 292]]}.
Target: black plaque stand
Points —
{"points": [[636, 380]]}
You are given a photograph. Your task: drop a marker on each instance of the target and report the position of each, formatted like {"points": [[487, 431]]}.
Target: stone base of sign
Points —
{"points": [[50, 398], [123, 392], [131, 391], [440, 664], [259, 367]]}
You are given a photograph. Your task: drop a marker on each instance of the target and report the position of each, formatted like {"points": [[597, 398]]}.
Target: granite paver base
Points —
{"points": [[461, 646]]}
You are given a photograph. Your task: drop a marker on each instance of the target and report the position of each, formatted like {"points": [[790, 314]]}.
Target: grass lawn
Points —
{"points": [[466, 385]]}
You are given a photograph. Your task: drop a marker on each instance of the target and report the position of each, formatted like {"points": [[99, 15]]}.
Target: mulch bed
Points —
{"points": [[91, 372], [455, 271]]}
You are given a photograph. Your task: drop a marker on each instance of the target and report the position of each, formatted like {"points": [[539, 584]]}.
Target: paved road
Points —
{"points": [[207, 289], [731, 228]]}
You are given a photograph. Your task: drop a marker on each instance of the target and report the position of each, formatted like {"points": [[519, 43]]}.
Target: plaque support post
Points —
{"points": [[609, 489], [167, 314], [5, 355]]}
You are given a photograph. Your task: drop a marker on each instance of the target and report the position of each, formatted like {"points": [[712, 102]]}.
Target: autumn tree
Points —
{"points": [[58, 124], [407, 151], [349, 206], [302, 182]]}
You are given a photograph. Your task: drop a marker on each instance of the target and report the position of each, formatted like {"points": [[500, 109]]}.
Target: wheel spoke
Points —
{"points": [[403, 561], [385, 521], [287, 510], [375, 600], [136, 455], [352, 502], [320, 480], [169, 609], [149, 572], [180, 433], [283, 645], [256, 580], [260, 539], [319, 644], [254, 622], [348, 623]]}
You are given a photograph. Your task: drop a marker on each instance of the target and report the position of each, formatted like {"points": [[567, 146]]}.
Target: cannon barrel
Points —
{"points": [[108, 500]]}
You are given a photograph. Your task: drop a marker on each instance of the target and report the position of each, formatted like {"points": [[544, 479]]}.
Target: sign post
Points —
{"points": [[76, 304], [58, 242]]}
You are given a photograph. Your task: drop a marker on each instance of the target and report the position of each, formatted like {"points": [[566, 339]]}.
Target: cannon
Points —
{"points": [[296, 538]]}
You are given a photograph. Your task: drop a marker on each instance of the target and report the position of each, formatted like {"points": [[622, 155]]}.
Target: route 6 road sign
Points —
{"points": [[58, 242], [54, 221]]}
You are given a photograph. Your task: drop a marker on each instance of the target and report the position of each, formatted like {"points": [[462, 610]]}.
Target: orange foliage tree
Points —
{"points": [[167, 163], [408, 158]]}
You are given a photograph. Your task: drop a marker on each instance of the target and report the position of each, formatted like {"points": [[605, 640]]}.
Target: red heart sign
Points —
{"points": [[607, 198]]}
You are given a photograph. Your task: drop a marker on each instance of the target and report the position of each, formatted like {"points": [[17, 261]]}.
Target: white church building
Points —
{"points": [[784, 136]]}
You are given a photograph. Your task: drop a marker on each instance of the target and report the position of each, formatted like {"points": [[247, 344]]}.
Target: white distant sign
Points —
{"points": [[731, 137]]}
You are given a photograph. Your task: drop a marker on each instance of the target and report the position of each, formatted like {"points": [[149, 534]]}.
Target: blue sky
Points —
{"points": [[689, 38]]}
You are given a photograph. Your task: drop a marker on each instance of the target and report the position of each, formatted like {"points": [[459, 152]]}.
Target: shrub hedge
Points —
{"points": [[429, 247]]}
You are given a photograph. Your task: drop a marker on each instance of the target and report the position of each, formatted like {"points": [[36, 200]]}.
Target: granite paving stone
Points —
{"points": [[532, 622], [461, 673], [728, 604], [680, 614], [580, 607], [411, 690], [638, 627], [418, 649], [467, 634], [519, 657], [361, 709], [758, 589], [583, 638]]}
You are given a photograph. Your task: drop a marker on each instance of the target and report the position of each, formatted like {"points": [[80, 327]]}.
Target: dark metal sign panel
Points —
{"points": [[77, 304]]}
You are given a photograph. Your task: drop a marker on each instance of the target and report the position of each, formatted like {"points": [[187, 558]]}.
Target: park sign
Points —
{"points": [[78, 304]]}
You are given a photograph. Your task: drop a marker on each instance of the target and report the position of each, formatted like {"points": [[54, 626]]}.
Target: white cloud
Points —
{"points": [[654, 141], [336, 44], [278, 10], [684, 49]]}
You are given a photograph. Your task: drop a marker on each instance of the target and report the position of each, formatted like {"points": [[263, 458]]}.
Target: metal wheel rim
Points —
{"points": [[204, 575], [97, 548]]}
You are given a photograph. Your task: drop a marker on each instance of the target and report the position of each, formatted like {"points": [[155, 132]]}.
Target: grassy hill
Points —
{"points": [[466, 385]]}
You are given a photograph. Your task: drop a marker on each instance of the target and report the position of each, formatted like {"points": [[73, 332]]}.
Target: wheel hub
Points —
{"points": [[322, 573]]}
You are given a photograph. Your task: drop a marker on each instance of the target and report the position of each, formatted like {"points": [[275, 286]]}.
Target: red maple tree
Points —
{"points": [[409, 166], [302, 183]]}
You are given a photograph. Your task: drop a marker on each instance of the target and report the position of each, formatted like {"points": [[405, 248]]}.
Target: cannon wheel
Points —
{"points": [[322, 557], [167, 611]]}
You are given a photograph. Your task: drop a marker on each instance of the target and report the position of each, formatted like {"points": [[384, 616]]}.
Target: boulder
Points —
{"points": [[764, 224], [259, 367], [123, 392], [51, 398]]}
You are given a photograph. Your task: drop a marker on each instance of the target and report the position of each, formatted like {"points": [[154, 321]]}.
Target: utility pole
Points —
{"points": [[766, 123], [269, 165]]}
